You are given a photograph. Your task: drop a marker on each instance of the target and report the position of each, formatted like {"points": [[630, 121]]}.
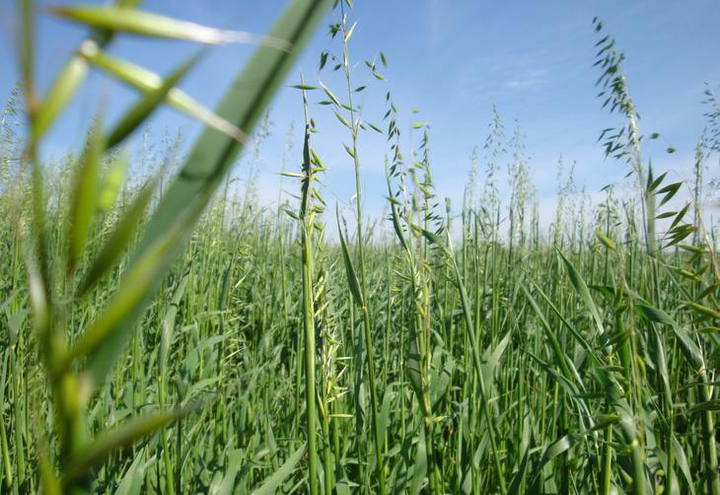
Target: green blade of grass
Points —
{"points": [[84, 195], [582, 289], [147, 24], [274, 482], [140, 112], [71, 77], [352, 278], [147, 81], [120, 436], [59, 95]]}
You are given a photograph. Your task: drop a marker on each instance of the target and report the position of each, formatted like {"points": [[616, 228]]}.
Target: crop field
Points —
{"points": [[162, 332]]}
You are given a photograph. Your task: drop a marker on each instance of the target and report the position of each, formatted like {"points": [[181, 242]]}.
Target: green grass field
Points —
{"points": [[166, 335]]}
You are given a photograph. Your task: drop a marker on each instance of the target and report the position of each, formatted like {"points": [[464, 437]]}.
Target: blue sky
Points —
{"points": [[452, 59]]}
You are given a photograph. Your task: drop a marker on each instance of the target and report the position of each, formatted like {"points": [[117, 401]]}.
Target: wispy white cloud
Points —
{"points": [[528, 79], [438, 21], [493, 76]]}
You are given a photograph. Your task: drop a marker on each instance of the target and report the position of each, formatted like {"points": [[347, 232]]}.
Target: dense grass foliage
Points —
{"points": [[228, 322], [446, 349]]}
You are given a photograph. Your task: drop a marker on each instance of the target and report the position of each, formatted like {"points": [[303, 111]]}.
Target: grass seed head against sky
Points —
{"points": [[452, 60]]}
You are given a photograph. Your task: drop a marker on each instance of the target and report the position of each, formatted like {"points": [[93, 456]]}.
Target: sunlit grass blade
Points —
{"points": [[136, 115], [37, 287], [112, 182], [147, 24], [121, 436], [272, 484], [582, 289], [692, 351], [564, 362], [147, 81], [59, 95], [83, 198], [70, 78], [49, 481], [353, 282]]}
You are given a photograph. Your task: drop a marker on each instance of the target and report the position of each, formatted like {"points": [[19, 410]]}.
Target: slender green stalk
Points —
{"points": [[360, 236], [306, 229]]}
